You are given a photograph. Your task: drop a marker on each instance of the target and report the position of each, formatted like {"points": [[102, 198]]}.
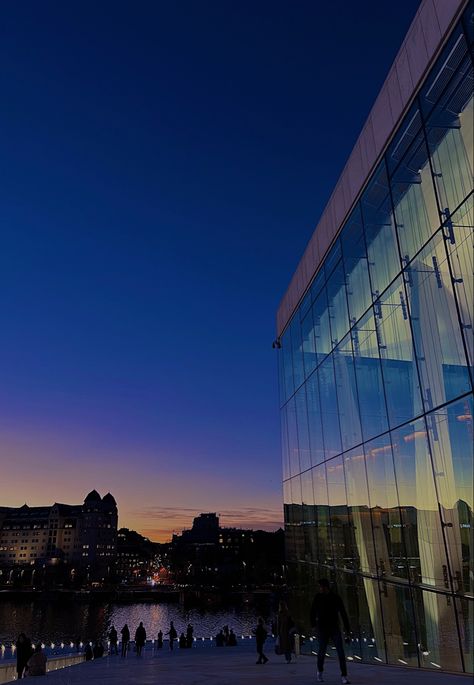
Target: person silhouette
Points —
{"points": [[140, 638], [172, 635], [125, 632], [113, 638], [23, 652], [189, 636], [326, 609], [260, 637]]}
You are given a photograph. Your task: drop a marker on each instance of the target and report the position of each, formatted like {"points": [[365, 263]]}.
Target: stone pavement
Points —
{"points": [[233, 666]]}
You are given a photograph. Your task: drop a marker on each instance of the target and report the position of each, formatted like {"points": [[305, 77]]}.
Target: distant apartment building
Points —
{"points": [[136, 557], [83, 536]]}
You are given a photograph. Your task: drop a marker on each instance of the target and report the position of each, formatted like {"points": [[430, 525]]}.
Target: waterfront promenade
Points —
{"points": [[232, 666]]}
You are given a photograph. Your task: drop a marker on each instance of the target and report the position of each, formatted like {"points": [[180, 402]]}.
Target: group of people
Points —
{"points": [[185, 639], [140, 640], [226, 638], [96, 652], [326, 612], [30, 660]]}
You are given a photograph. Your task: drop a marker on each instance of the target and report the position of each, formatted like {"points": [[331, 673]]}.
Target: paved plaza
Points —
{"points": [[232, 666]]}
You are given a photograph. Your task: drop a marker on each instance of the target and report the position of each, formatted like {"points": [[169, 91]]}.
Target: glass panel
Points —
{"points": [[419, 506], [321, 325], [450, 432], [297, 350], [347, 394], [302, 425], [399, 623], [304, 305], [438, 340], [404, 138], [332, 259], [314, 420], [337, 302], [293, 452], [449, 131], [322, 514], [368, 370], [461, 254], [318, 284], [340, 531], [290, 548], [309, 344], [359, 509], [382, 250], [415, 207], [281, 378], [284, 445], [329, 408], [309, 517], [356, 266], [288, 385], [383, 498], [399, 370], [437, 631], [297, 516], [361, 598], [465, 611], [444, 69]]}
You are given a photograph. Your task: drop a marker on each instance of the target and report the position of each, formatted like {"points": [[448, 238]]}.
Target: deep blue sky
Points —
{"points": [[162, 167]]}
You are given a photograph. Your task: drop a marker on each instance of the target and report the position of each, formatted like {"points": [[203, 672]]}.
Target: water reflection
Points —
{"points": [[60, 620]]}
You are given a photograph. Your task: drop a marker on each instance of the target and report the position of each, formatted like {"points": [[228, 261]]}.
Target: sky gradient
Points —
{"points": [[162, 167]]}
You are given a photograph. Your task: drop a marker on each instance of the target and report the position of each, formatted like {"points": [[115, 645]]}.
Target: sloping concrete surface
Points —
{"points": [[233, 666]]}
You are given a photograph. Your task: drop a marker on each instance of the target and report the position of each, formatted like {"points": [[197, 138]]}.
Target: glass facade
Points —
{"points": [[376, 382]]}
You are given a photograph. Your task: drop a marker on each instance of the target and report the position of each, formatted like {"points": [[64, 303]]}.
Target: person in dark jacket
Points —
{"points": [[23, 652], [98, 651], [260, 637], [88, 653], [113, 637], [125, 632], [140, 638], [172, 635], [285, 625], [232, 639], [36, 663], [326, 610], [189, 636], [159, 642]]}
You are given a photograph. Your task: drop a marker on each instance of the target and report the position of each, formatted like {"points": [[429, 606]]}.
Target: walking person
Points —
{"points": [[172, 634], [159, 642], [284, 625], [113, 639], [125, 632], [140, 638], [189, 636], [260, 637], [23, 652], [326, 610]]}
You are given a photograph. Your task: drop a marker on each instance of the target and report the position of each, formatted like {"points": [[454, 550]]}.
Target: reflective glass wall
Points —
{"points": [[376, 379]]}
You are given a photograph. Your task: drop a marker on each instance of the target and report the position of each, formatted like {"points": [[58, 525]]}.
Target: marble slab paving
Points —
{"points": [[233, 666]]}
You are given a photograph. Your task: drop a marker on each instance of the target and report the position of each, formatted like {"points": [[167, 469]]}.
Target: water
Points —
{"points": [[68, 620]]}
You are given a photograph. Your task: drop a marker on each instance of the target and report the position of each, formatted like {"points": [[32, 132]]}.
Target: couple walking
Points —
{"points": [[326, 611]]}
